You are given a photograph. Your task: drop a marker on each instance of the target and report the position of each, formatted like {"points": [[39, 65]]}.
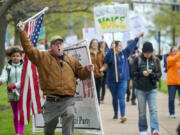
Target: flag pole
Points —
{"points": [[45, 9]]}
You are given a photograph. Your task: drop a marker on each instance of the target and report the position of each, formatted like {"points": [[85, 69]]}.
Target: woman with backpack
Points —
{"points": [[147, 71], [118, 74], [12, 75]]}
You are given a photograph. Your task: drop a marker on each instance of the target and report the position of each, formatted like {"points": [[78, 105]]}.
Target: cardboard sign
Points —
{"points": [[137, 25], [111, 18]]}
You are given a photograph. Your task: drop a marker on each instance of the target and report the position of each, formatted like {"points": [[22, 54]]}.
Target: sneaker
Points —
{"points": [[123, 119], [102, 102], [172, 116], [155, 132], [115, 117], [143, 133]]}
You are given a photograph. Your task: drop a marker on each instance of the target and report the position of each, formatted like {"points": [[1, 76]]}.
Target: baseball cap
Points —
{"points": [[56, 37]]}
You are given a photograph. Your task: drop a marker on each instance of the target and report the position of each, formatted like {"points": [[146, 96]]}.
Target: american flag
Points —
{"points": [[30, 91]]}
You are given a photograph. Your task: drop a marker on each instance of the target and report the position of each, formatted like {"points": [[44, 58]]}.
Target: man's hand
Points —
{"points": [[90, 67], [141, 35], [20, 26], [11, 87]]}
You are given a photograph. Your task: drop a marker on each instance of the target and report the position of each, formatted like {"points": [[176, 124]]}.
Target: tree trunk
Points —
{"points": [[3, 26], [16, 39]]}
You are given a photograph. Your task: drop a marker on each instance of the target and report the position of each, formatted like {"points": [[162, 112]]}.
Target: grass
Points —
{"points": [[3, 98], [164, 88], [6, 117]]}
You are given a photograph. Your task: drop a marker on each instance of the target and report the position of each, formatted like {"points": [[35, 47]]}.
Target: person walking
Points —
{"points": [[147, 71], [130, 83], [57, 77], [173, 79], [104, 48], [97, 58], [118, 74], [12, 75]]}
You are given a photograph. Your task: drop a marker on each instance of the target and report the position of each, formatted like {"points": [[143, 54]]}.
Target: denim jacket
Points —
{"points": [[122, 63]]}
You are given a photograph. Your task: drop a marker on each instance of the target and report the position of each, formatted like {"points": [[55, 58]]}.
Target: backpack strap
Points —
{"points": [[139, 60], [8, 72]]}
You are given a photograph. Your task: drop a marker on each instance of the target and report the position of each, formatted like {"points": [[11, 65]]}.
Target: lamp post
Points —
{"points": [[159, 53]]}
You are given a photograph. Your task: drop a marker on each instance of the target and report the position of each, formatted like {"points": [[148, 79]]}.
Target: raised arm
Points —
{"points": [[130, 47], [33, 53]]}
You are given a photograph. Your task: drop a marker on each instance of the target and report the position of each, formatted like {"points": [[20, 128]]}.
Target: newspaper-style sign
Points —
{"points": [[137, 25], [87, 119], [111, 18]]}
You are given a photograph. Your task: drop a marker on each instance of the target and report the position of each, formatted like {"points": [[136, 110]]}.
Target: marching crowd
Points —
{"points": [[121, 69]]}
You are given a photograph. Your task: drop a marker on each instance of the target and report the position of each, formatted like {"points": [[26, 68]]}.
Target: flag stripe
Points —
{"points": [[30, 91], [28, 103], [32, 84], [23, 76], [36, 89]]}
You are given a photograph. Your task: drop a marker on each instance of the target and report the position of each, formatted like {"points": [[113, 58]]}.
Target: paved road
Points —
{"points": [[114, 127]]}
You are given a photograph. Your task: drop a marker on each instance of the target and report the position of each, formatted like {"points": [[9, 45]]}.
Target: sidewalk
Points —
{"points": [[114, 127]]}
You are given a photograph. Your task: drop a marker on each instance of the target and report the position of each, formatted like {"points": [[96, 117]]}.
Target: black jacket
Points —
{"points": [[142, 82]]}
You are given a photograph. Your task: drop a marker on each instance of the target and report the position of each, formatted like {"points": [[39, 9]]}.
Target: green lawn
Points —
{"points": [[164, 88], [3, 96], [6, 118]]}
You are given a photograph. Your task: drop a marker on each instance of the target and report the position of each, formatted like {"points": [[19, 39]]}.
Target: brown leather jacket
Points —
{"points": [[98, 61], [54, 79]]}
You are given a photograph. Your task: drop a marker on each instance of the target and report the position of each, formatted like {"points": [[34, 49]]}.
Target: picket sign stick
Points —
{"points": [[96, 99], [115, 61], [40, 12]]}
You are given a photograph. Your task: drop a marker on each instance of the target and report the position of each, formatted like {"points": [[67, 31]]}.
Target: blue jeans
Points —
{"points": [[172, 93], [118, 91], [149, 97]]}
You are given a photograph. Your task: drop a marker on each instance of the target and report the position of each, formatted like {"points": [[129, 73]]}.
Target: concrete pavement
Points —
{"points": [[130, 127]]}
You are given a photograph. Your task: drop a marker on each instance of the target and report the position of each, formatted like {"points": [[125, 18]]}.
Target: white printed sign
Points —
{"points": [[111, 18], [90, 33], [70, 40], [87, 119], [137, 25]]}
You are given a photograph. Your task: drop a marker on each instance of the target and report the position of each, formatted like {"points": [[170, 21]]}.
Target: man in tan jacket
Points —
{"points": [[57, 73]]}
